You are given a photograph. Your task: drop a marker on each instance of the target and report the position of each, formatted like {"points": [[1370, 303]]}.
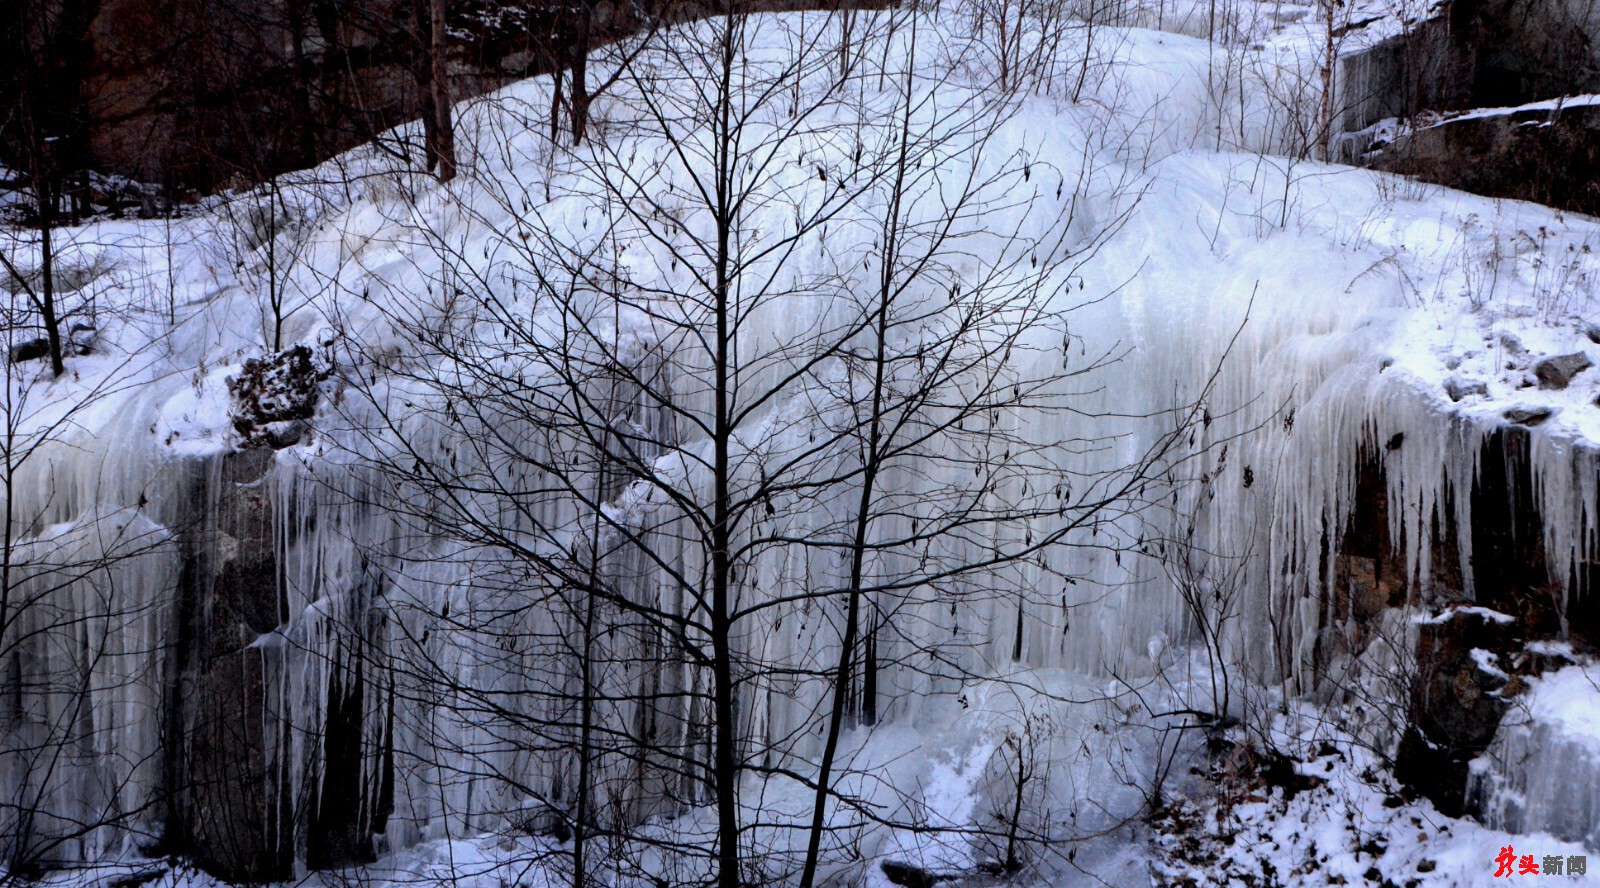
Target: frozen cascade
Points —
{"points": [[1302, 397], [89, 620], [419, 668], [82, 739], [1542, 772]]}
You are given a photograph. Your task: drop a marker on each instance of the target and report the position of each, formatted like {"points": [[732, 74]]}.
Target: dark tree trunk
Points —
{"points": [[580, 66], [45, 295], [429, 69], [443, 147]]}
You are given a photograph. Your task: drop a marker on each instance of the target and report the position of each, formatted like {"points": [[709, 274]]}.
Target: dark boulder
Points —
{"points": [[1456, 704], [1458, 388], [1529, 416], [31, 350], [1557, 372]]}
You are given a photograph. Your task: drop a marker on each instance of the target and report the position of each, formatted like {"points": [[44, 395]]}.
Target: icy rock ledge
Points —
{"points": [[1542, 771]]}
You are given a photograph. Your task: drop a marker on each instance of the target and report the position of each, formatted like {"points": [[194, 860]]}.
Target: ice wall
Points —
{"points": [[89, 615], [491, 524], [1539, 774]]}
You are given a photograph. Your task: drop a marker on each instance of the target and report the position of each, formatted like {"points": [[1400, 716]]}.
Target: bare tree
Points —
{"points": [[690, 449], [258, 240]]}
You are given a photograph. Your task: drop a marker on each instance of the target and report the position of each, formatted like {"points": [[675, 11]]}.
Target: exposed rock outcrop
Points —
{"points": [[1543, 155], [1481, 54], [1456, 702], [198, 95], [202, 96], [235, 809], [1470, 658], [229, 598]]}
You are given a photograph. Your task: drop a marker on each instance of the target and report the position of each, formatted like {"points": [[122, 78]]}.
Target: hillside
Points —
{"points": [[892, 446]]}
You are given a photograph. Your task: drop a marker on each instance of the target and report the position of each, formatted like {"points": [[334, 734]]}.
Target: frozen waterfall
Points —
{"points": [[469, 588]]}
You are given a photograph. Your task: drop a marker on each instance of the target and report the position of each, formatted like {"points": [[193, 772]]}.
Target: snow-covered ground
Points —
{"points": [[1223, 820], [1352, 826]]}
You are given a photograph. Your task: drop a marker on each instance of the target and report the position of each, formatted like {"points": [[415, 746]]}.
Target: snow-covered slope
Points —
{"points": [[1256, 321]]}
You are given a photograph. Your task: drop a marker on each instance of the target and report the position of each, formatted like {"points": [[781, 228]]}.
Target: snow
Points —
{"points": [[1556, 104], [1489, 664], [1353, 827], [1566, 700], [1449, 614], [1548, 648], [1311, 309]]}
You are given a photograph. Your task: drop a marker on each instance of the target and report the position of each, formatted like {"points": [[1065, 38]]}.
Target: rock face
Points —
{"points": [[1523, 50], [235, 809], [1456, 702], [1369, 573], [1398, 77], [1470, 54], [221, 812], [1482, 54], [226, 809], [1546, 156], [1470, 658], [198, 96]]}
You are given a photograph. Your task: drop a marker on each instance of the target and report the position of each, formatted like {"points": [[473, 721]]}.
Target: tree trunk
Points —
{"points": [[725, 725], [1329, 63], [872, 465], [429, 69], [580, 66], [47, 273], [443, 147]]}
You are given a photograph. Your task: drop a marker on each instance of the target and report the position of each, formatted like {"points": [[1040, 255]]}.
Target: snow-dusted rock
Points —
{"points": [[1557, 372]]}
